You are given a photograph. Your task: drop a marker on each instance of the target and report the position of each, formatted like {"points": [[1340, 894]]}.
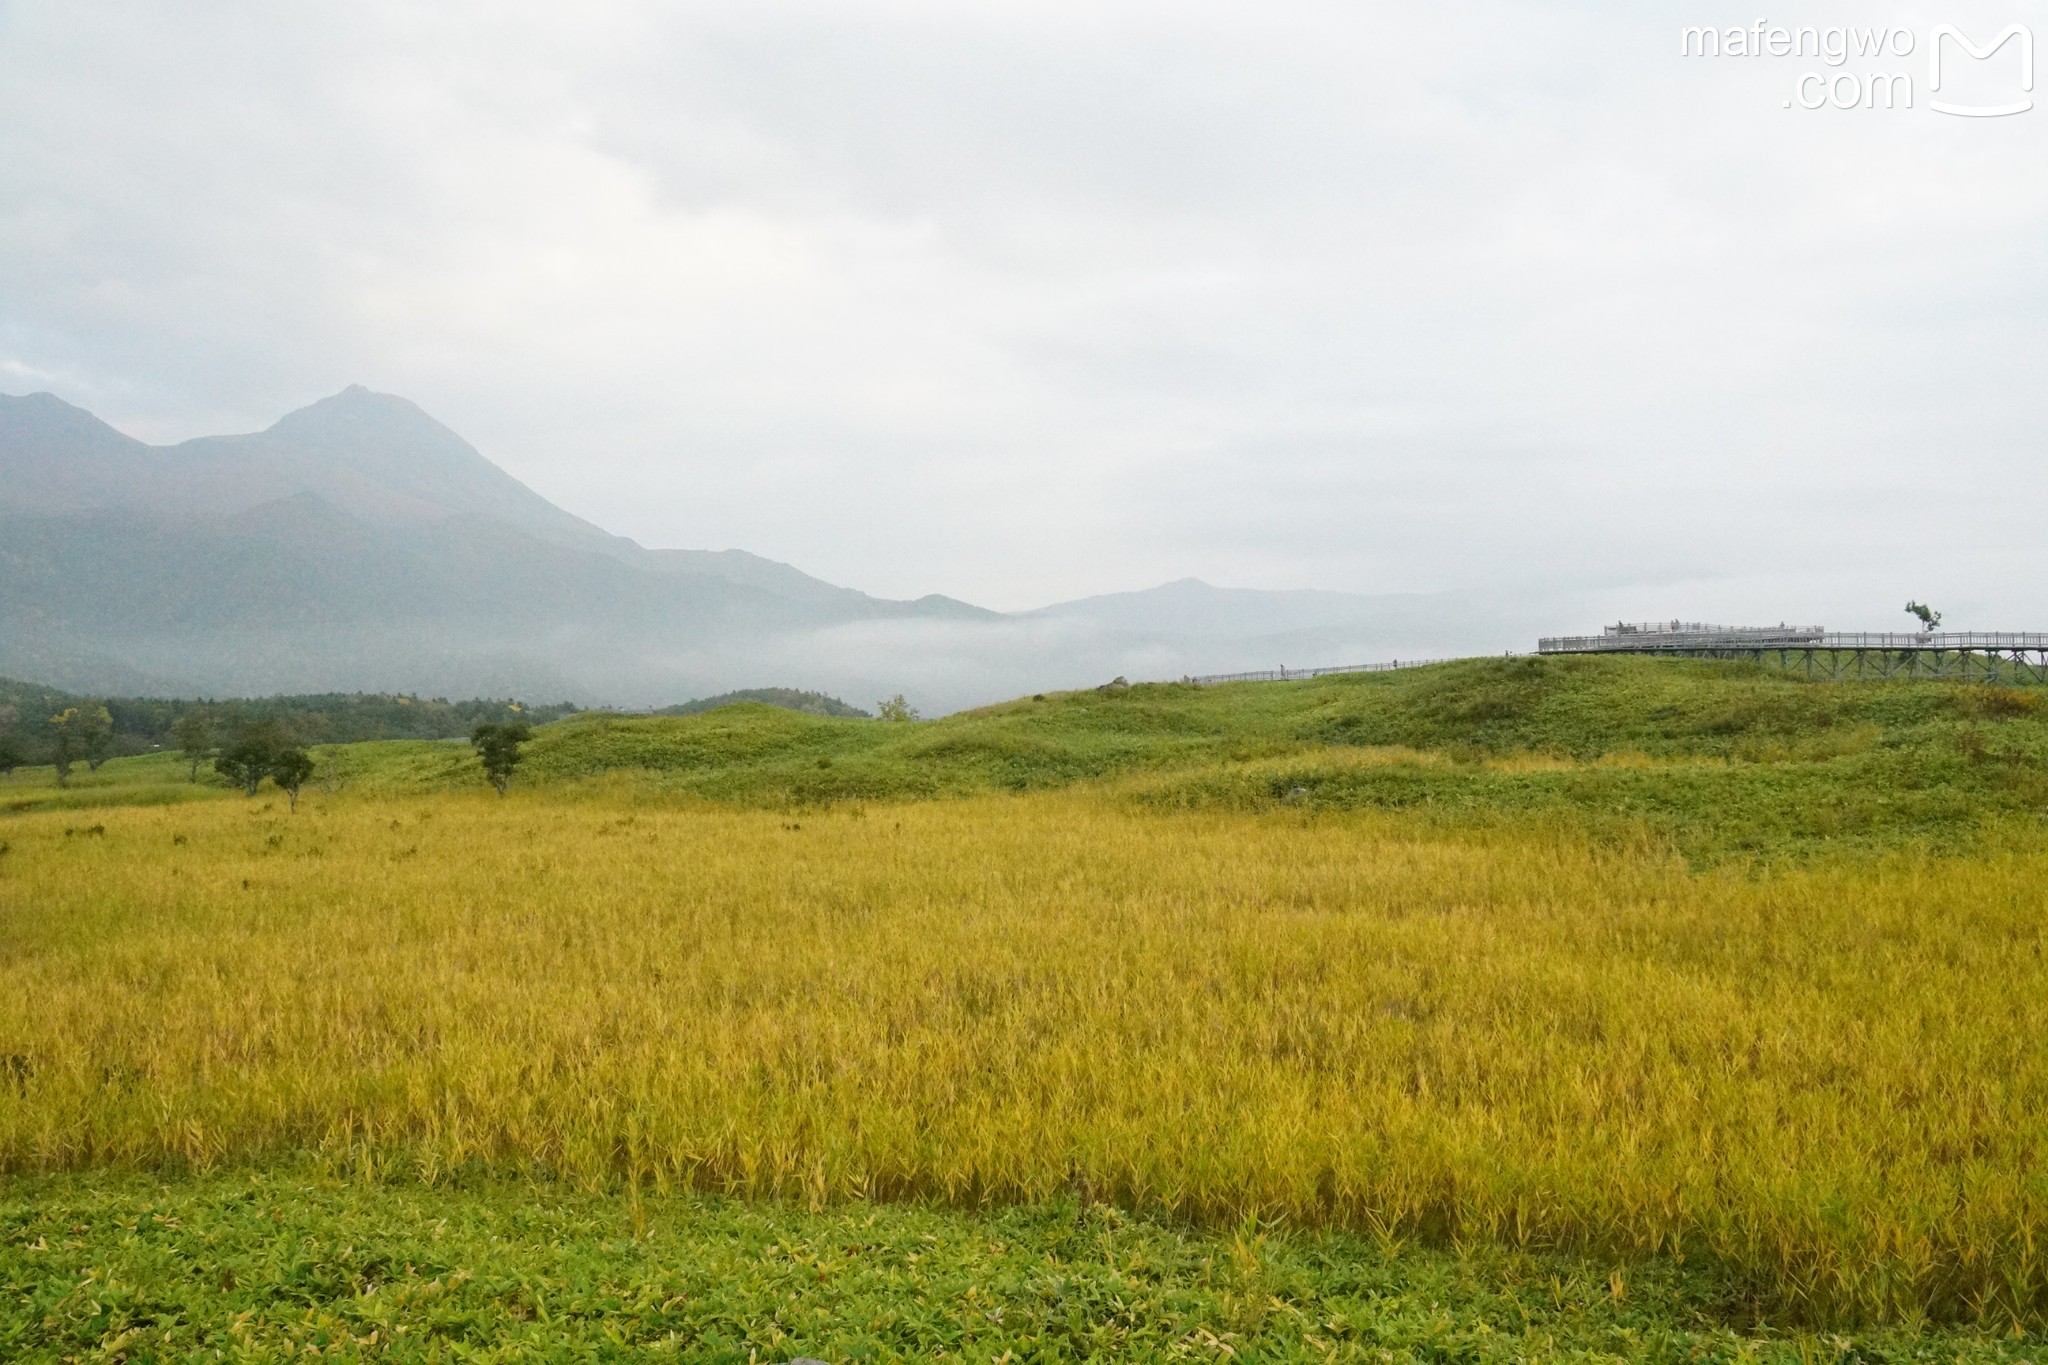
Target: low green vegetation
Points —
{"points": [[270, 1267], [147, 780]]}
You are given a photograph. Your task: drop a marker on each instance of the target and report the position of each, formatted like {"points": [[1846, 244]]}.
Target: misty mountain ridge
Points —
{"points": [[357, 543], [377, 458]]}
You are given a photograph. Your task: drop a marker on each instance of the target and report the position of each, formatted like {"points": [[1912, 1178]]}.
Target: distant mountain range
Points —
{"points": [[360, 544]]}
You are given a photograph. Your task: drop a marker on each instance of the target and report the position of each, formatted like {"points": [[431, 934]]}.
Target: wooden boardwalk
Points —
{"points": [[1968, 656], [1295, 674]]}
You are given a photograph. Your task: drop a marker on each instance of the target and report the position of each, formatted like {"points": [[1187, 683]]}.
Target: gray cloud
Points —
{"points": [[1019, 303]]}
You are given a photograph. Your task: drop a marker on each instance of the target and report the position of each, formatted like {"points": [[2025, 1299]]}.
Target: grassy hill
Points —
{"points": [[1714, 759], [1711, 760], [788, 698]]}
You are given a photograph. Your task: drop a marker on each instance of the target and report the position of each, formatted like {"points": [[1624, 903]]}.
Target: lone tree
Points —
{"points": [[13, 753], [85, 732], [259, 751], [497, 746], [290, 768], [195, 735], [895, 709], [1929, 617], [95, 734], [245, 762]]}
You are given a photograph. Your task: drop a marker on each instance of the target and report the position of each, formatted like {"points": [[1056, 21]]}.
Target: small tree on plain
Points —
{"points": [[64, 743], [497, 747], [195, 735], [290, 768], [895, 708], [95, 734], [245, 762], [251, 755]]}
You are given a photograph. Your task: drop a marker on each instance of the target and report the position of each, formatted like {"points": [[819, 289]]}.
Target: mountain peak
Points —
{"points": [[47, 410], [55, 457], [358, 416], [360, 438]]}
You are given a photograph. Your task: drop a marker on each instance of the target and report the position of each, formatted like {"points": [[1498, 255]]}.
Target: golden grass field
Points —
{"points": [[1828, 1077]]}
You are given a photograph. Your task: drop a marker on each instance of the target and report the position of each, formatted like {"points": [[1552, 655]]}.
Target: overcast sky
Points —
{"points": [[1022, 302]]}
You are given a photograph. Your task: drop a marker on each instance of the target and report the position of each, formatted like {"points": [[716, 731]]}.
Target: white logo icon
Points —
{"points": [[2020, 31]]}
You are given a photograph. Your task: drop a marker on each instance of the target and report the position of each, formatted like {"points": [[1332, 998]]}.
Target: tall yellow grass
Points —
{"points": [[1831, 1078]]}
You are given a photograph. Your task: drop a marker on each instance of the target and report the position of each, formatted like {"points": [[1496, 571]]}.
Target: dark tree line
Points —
{"points": [[144, 725], [247, 742]]}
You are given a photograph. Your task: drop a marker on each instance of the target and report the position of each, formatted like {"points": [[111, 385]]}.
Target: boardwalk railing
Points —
{"points": [[1702, 628], [1647, 641], [1985, 656], [1819, 653], [1953, 639], [1290, 674], [1794, 638]]}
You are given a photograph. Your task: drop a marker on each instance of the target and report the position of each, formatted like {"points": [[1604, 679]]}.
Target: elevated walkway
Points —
{"points": [[1974, 656], [1812, 651]]}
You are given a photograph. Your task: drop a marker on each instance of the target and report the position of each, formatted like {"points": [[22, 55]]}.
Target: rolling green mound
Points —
{"points": [[1717, 759], [1714, 759], [788, 698]]}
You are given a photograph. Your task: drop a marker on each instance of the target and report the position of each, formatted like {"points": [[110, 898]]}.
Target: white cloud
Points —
{"points": [[1020, 302]]}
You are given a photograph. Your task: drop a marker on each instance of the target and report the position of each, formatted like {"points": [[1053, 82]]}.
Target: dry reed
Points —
{"points": [[1828, 1078]]}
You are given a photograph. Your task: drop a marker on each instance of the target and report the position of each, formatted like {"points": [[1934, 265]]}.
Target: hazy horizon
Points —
{"points": [[359, 544]]}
